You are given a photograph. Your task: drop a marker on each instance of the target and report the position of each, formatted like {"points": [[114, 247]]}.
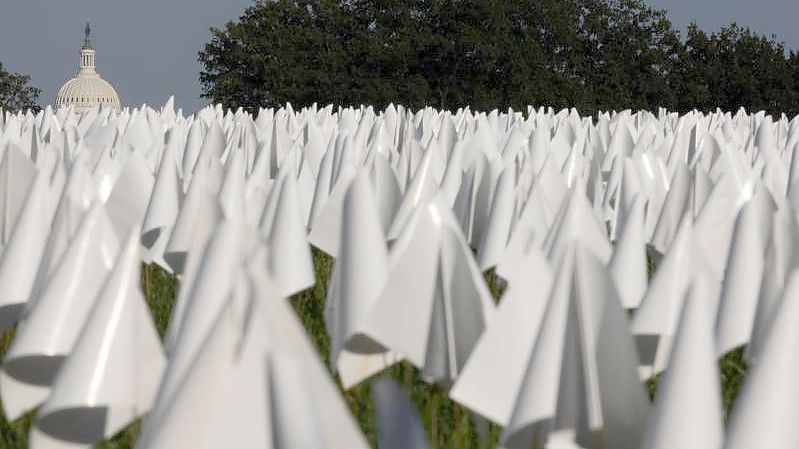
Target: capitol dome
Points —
{"points": [[87, 89]]}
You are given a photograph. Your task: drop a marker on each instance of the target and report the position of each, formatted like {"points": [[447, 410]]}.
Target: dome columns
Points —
{"points": [[87, 61]]}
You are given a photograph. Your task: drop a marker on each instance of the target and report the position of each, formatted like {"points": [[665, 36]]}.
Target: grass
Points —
{"points": [[448, 424]]}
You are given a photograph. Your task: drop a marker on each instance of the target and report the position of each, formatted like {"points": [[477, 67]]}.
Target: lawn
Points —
{"points": [[448, 424]]}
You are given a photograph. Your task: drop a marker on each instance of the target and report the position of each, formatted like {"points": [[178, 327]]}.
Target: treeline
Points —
{"points": [[589, 54], [16, 93]]}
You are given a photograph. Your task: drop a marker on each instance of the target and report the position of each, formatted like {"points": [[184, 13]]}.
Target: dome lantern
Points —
{"points": [[87, 89], [87, 53]]}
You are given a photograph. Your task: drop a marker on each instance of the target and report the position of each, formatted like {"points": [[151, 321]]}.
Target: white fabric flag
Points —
{"points": [[435, 304], [358, 278], [112, 374]]}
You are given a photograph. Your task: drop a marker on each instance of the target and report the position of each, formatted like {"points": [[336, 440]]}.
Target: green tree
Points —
{"points": [[486, 54], [446, 53], [16, 93], [631, 52], [736, 67], [277, 52]]}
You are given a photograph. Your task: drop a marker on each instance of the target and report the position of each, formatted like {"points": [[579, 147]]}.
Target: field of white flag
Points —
{"points": [[533, 272]]}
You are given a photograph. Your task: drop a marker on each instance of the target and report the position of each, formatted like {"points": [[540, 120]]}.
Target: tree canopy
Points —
{"points": [[16, 93], [590, 54]]}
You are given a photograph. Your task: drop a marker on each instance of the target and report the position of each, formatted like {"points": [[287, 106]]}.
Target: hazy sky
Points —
{"points": [[148, 48], [777, 17]]}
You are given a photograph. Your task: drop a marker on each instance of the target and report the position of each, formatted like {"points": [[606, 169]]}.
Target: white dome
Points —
{"points": [[87, 89], [85, 92]]}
